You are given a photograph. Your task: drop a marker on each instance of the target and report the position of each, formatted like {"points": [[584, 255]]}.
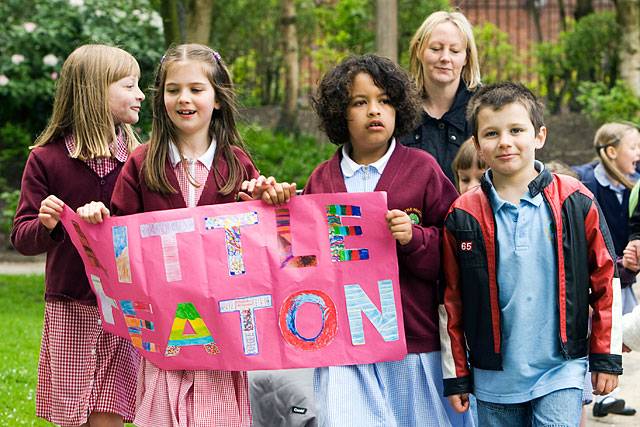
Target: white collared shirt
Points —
{"points": [[198, 170], [363, 178]]}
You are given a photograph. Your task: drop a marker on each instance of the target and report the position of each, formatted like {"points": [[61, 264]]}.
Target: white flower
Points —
{"points": [[17, 59], [77, 3], [4, 80], [54, 76], [50, 60], [99, 13], [156, 20], [29, 27], [119, 13]]}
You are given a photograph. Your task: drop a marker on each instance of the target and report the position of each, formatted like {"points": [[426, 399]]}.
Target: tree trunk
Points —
{"points": [[628, 12], [563, 14], [186, 21], [288, 122], [170, 22], [198, 17], [387, 29], [535, 15], [583, 8]]}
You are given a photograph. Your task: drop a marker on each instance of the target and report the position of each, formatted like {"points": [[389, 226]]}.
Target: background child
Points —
{"points": [[85, 375], [195, 157], [467, 167], [363, 104], [516, 304]]}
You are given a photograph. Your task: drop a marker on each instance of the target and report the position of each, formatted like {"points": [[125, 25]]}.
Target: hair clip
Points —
{"points": [[216, 55], [162, 59]]}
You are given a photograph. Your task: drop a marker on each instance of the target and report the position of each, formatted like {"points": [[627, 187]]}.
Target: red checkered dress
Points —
{"points": [[103, 165], [83, 369], [191, 398]]}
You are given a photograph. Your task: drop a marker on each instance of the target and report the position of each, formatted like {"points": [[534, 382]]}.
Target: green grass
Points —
{"points": [[21, 313]]}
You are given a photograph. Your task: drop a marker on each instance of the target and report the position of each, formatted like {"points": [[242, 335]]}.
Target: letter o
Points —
{"points": [[289, 311]]}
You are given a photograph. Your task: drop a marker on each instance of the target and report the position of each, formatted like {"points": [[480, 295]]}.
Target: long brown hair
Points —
{"points": [[81, 103], [610, 135], [222, 126]]}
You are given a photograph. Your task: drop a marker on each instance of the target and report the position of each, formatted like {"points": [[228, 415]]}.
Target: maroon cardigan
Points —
{"points": [[50, 170], [132, 195], [414, 184]]}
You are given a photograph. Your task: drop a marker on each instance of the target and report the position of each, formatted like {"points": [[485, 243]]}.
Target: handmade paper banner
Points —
{"points": [[246, 286]]}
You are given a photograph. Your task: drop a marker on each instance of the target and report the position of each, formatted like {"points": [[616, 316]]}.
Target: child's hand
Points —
{"points": [[459, 402], [93, 212], [630, 255], [279, 193], [50, 210], [400, 226], [603, 383], [252, 190]]}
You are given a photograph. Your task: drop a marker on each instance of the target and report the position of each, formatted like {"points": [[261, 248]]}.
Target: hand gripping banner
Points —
{"points": [[245, 286]]}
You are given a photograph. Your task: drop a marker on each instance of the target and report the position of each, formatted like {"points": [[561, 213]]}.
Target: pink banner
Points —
{"points": [[245, 286]]}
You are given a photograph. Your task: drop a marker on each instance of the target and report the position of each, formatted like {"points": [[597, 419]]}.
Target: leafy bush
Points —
{"points": [[588, 52], [8, 206], [37, 37], [605, 104], [14, 141], [498, 58], [290, 159]]}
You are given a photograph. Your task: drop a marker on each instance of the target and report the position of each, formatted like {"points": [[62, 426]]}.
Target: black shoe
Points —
{"points": [[627, 410], [609, 406]]}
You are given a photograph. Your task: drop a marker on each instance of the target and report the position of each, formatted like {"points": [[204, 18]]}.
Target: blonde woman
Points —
{"points": [[444, 64], [85, 375]]}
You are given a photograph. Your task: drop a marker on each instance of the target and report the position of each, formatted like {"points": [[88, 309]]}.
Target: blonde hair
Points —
{"points": [[466, 158], [559, 167], [81, 103], [222, 126], [471, 70], [610, 135]]}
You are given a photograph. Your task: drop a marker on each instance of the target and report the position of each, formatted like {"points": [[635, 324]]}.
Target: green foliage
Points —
{"points": [[8, 206], [587, 52], [21, 308], [605, 104], [289, 159], [14, 141], [498, 58], [39, 35]]}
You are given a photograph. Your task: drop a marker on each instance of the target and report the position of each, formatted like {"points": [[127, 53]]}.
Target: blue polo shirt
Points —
{"points": [[533, 365]]}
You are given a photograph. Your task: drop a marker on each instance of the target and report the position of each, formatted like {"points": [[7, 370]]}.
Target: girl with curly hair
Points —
{"points": [[363, 104]]}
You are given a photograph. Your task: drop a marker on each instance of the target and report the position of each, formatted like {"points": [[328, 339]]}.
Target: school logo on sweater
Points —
{"points": [[415, 214]]}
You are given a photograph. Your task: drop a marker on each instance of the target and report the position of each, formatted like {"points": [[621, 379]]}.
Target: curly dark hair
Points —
{"points": [[333, 94]]}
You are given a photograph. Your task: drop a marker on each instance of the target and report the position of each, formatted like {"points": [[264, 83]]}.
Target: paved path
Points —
{"points": [[629, 382]]}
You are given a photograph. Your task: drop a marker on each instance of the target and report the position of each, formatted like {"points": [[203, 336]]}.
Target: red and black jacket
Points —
{"points": [[469, 310]]}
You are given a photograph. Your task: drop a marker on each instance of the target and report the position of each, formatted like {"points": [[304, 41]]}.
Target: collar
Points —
{"points": [[350, 167], [119, 150], [534, 196], [206, 159], [603, 179], [456, 116]]}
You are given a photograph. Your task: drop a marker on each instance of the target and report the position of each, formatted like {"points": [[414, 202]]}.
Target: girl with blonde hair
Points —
{"points": [[444, 65], [85, 376]]}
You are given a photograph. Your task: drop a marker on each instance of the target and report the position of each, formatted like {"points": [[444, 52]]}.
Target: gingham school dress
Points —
{"points": [[83, 369], [191, 398]]}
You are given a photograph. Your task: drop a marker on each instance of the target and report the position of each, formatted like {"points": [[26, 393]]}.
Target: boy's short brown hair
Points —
{"points": [[497, 95]]}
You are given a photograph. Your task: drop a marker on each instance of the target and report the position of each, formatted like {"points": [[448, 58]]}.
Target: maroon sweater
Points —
{"points": [[416, 185], [132, 195], [50, 170]]}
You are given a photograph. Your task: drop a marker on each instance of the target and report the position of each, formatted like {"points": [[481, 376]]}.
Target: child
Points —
{"points": [[84, 374], [524, 256], [467, 167], [363, 104], [195, 157]]}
